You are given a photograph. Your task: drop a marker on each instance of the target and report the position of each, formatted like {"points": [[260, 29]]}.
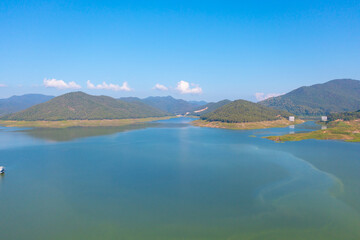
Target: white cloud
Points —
{"points": [[160, 87], [60, 84], [2, 85], [262, 96], [114, 87], [184, 88]]}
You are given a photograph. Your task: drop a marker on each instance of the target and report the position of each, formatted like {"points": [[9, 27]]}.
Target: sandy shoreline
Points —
{"points": [[79, 123], [247, 125]]}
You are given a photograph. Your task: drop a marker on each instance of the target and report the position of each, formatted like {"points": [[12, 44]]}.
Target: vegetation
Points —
{"points": [[246, 125], [340, 130], [78, 123], [240, 111], [334, 96], [210, 107], [346, 116], [81, 106], [18, 103]]}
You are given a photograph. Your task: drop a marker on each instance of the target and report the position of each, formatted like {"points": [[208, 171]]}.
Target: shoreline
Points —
{"points": [[246, 126], [348, 131], [79, 123]]}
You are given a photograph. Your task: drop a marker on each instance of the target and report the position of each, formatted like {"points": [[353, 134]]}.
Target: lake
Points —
{"points": [[170, 180]]}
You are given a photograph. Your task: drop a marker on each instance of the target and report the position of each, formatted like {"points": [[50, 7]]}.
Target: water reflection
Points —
{"points": [[2, 176], [71, 133], [292, 127]]}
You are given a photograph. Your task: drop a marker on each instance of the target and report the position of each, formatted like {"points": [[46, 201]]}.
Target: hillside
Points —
{"points": [[210, 107], [334, 96], [18, 103], [81, 106], [244, 111]]}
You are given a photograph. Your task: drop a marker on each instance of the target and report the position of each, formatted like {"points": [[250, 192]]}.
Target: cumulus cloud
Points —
{"points": [[160, 87], [185, 88], [262, 96], [2, 85], [60, 84], [114, 87]]}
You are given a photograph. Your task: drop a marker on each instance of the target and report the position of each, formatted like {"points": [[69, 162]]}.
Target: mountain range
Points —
{"points": [[168, 104], [18, 103], [338, 95], [342, 95]]}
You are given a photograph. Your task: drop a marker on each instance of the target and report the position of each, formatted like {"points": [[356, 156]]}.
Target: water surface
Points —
{"points": [[170, 180]]}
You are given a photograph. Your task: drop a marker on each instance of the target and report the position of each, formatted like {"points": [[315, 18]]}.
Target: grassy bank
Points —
{"points": [[78, 123], [339, 130], [246, 125]]}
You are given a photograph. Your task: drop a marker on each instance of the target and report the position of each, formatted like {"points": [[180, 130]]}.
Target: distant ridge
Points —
{"points": [[82, 106], [168, 104], [207, 108], [338, 95], [18, 103], [240, 111], [198, 103]]}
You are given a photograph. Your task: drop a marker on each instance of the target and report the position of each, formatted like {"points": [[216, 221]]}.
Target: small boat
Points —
{"points": [[2, 169]]}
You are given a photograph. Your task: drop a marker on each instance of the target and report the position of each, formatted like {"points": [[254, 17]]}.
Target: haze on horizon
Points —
{"points": [[195, 50]]}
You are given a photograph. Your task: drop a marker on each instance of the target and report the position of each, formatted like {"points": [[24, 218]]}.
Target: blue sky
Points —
{"points": [[194, 50]]}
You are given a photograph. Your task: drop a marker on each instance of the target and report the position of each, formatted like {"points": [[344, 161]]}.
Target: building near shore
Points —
{"points": [[324, 118], [292, 118]]}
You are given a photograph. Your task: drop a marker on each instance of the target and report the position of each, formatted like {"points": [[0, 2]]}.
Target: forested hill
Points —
{"points": [[334, 96], [244, 111], [346, 116], [81, 106], [18, 103]]}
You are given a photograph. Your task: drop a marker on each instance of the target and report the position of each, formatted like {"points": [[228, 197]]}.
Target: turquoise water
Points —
{"points": [[170, 180]]}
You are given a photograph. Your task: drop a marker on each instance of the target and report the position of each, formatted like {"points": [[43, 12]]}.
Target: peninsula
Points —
{"points": [[346, 128]]}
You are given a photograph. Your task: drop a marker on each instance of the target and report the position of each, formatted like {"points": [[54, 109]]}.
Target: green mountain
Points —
{"points": [[244, 111], [81, 106], [334, 96], [210, 107], [167, 104], [18, 103]]}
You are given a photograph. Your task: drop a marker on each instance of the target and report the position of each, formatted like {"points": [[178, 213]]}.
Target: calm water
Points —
{"points": [[169, 180]]}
